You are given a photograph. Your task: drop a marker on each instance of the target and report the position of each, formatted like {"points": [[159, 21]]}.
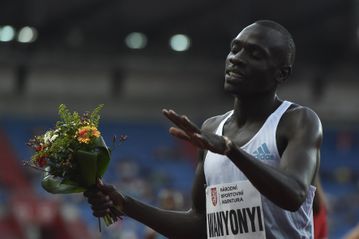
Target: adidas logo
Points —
{"points": [[263, 153]]}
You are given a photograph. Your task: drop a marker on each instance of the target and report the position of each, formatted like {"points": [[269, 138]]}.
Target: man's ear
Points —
{"points": [[283, 74]]}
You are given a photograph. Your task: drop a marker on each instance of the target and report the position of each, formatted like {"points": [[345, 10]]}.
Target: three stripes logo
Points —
{"points": [[263, 153]]}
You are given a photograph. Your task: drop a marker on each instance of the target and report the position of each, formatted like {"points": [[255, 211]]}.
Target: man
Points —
{"points": [[257, 163]]}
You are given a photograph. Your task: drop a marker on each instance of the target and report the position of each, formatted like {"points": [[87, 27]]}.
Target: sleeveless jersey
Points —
{"points": [[219, 169]]}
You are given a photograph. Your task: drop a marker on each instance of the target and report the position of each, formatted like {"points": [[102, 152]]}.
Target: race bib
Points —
{"points": [[234, 210]]}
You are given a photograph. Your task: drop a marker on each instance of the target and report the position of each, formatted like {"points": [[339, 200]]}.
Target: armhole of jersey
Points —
{"points": [[286, 107], [221, 123]]}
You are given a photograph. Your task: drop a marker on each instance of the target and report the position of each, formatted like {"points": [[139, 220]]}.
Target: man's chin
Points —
{"points": [[231, 89], [238, 92]]}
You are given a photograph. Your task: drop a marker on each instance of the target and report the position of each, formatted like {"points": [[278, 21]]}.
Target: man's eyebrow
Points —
{"points": [[257, 47], [235, 41], [249, 45]]}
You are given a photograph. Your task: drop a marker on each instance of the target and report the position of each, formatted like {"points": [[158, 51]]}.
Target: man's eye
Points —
{"points": [[235, 49], [257, 54]]}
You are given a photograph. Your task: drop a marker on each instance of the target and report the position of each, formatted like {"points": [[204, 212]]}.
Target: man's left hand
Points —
{"points": [[188, 131]]}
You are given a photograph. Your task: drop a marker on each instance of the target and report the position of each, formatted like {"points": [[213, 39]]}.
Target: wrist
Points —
{"points": [[118, 199], [127, 204], [228, 145]]}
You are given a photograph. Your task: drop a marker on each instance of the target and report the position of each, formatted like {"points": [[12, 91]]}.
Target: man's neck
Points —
{"points": [[250, 109]]}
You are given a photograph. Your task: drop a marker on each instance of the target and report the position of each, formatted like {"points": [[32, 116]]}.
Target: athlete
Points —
{"points": [[257, 163]]}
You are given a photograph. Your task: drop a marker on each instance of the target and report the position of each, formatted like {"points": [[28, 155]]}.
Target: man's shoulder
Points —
{"points": [[211, 124], [301, 114], [300, 118]]}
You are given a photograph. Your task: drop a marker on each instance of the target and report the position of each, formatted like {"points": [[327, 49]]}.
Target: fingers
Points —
{"points": [[115, 212], [100, 212], [188, 131], [214, 143], [91, 192], [115, 196], [204, 142], [189, 125], [171, 115], [87, 193], [195, 139], [102, 199], [210, 142], [99, 202], [179, 133], [182, 122], [106, 189], [99, 181], [200, 141]]}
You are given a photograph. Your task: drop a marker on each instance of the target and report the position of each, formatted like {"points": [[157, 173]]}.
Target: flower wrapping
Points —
{"points": [[73, 156], [90, 166]]}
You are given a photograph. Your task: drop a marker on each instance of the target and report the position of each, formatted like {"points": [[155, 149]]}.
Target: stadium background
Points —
{"points": [[82, 53]]}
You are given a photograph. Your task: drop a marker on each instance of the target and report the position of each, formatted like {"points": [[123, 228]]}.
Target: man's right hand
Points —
{"points": [[105, 200]]}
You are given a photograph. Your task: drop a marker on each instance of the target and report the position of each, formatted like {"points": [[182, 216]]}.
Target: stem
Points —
{"points": [[25, 163], [97, 178]]}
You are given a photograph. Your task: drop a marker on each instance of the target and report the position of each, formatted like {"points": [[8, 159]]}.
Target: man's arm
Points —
{"points": [[286, 186], [183, 225], [173, 224]]}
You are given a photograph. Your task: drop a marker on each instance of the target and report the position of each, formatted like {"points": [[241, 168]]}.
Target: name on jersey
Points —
{"points": [[234, 222]]}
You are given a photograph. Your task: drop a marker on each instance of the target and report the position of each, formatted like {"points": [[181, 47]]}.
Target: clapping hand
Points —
{"points": [[188, 131]]}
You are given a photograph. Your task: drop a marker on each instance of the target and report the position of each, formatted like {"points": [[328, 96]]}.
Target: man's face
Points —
{"points": [[252, 64]]}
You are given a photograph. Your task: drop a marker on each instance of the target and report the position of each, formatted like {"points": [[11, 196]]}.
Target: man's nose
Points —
{"points": [[238, 57]]}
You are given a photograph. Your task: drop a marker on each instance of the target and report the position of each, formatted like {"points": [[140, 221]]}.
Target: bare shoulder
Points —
{"points": [[301, 121], [211, 124]]}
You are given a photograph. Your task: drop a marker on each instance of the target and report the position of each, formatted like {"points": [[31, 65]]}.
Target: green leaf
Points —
{"points": [[95, 115], [55, 185], [92, 165], [104, 156], [86, 163], [89, 166]]}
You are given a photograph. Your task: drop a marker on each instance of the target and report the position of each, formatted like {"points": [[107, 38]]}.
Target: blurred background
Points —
{"points": [[138, 57]]}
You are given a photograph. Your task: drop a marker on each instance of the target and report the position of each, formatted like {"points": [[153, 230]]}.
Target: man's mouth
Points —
{"points": [[234, 74]]}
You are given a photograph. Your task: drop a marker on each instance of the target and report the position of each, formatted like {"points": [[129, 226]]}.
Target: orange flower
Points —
{"points": [[85, 133]]}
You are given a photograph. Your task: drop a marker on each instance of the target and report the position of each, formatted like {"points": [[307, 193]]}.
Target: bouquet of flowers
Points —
{"points": [[73, 156]]}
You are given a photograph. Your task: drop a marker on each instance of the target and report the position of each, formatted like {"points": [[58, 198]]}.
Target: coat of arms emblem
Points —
{"points": [[214, 196]]}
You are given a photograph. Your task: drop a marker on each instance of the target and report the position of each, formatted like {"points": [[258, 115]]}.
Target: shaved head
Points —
{"points": [[289, 54]]}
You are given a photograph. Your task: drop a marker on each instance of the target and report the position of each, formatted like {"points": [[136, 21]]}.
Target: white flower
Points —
{"points": [[47, 137], [50, 137]]}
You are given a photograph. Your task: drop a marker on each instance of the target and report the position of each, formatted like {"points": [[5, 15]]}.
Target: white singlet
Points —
{"points": [[235, 209]]}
